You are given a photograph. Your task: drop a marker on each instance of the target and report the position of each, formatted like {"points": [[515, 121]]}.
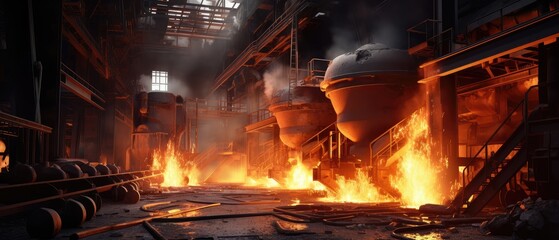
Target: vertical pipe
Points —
{"points": [[339, 143], [187, 132], [330, 145], [195, 149]]}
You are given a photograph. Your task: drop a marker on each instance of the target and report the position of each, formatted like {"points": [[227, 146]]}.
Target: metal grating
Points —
{"points": [[205, 19]]}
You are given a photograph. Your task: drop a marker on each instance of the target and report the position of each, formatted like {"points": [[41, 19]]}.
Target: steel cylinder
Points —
{"points": [[162, 112], [309, 113], [371, 89]]}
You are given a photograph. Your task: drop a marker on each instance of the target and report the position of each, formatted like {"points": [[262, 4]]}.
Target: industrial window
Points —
{"points": [[159, 80]]}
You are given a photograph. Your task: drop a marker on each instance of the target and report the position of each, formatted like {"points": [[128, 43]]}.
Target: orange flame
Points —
{"points": [[177, 171], [300, 176], [358, 190], [417, 178]]}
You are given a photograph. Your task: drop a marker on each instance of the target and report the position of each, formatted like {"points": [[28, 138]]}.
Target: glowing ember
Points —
{"points": [[417, 178], [261, 182], [358, 190], [177, 171]]}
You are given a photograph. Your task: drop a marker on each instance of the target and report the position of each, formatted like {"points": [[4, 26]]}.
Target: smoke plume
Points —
{"points": [[275, 79]]}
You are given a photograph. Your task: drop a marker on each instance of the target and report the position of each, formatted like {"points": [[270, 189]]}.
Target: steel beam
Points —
{"points": [[544, 29]]}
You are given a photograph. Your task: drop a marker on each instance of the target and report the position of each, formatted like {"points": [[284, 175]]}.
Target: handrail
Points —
{"points": [[412, 29], [374, 158], [317, 134], [71, 73], [197, 160], [259, 115], [387, 132], [266, 154], [24, 123], [490, 139]]}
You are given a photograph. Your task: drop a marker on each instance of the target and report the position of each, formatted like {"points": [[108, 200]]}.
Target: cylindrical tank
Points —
{"points": [[162, 112], [140, 108], [371, 89], [310, 112]]}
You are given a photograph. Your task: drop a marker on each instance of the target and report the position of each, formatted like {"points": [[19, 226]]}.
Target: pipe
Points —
{"points": [[211, 217], [94, 231], [18, 207], [146, 207], [237, 203], [154, 233]]}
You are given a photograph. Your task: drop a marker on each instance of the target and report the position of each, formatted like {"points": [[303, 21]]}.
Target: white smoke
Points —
{"points": [[236, 23], [343, 42], [275, 79], [144, 83]]}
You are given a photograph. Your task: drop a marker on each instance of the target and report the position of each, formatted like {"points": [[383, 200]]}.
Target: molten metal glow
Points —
{"points": [[358, 190], [261, 182], [419, 170], [177, 170], [300, 176]]}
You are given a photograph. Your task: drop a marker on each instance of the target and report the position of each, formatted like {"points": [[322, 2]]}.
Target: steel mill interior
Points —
{"points": [[279, 119]]}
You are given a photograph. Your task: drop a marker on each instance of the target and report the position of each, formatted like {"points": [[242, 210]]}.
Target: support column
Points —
{"points": [[17, 91], [546, 171], [552, 76], [108, 118], [443, 122], [47, 19]]}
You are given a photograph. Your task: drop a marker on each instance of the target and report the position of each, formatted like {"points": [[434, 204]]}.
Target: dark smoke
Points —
{"points": [[358, 22]]}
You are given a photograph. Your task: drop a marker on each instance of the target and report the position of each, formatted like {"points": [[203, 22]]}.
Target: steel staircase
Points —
{"points": [[203, 159], [317, 143], [266, 160], [387, 148], [480, 186]]}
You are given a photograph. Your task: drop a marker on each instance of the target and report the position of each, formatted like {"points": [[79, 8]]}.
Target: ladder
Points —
{"points": [[293, 60]]}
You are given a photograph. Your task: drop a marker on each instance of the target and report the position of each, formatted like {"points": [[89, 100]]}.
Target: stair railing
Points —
{"points": [[318, 139], [525, 112], [204, 156], [265, 159], [468, 171], [394, 144]]}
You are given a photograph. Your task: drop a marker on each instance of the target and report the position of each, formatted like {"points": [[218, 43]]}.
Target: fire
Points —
{"points": [[417, 178], [300, 176], [177, 171], [358, 190], [261, 182]]}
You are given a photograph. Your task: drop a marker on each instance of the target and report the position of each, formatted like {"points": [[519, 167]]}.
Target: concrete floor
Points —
{"points": [[261, 227]]}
